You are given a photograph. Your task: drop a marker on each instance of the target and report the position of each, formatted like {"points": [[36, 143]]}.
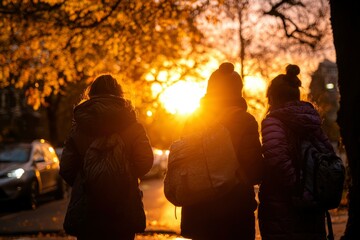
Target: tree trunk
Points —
{"points": [[345, 20], [51, 110]]}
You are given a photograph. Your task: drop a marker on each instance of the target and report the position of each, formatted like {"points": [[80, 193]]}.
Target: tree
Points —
{"points": [[345, 21], [264, 36], [46, 45]]}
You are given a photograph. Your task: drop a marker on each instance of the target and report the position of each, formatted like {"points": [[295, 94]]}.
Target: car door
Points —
{"points": [[41, 166], [52, 165]]}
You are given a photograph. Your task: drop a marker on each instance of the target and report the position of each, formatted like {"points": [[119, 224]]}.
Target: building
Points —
{"points": [[324, 93], [324, 90]]}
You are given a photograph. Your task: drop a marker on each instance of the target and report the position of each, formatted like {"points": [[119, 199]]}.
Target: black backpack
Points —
{"points": [[320, 175], [107, 175], [110, 187], [105, 188], [320, 178]]}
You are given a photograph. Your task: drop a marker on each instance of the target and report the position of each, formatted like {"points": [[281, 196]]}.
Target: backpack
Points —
{"points": [[201, 166], [320, 176], [111, 189]]}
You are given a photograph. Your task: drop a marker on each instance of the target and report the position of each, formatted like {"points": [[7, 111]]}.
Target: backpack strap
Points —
{"points": [[240, 173], [330, 235]]}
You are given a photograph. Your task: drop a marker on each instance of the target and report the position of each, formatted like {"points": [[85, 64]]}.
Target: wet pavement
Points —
{"points": [[163, 219], [339, 218]]}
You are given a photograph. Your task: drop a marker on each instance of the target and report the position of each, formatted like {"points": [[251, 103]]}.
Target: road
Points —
{"points": [[162, 218], [47, 219], [161, 215]]}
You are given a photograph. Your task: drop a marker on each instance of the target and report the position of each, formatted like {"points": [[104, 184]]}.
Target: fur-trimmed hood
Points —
{"points": [[104, 114]]}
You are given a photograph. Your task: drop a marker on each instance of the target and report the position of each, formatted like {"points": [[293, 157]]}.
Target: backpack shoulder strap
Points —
{"points": [[330, 235], [228, 112]]}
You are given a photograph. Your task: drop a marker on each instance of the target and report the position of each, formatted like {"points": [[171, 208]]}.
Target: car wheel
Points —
{"points": [[31, 201]]}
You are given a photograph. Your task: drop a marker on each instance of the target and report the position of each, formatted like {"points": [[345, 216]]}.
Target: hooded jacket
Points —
{"points": [[97, 117], [278, 219], [102, 116]]}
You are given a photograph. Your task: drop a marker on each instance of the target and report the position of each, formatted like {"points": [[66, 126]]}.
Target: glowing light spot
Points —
{"points": [[156, 88], [254, 86], [182, 97], [330, 86], [51, 149], [149, 77], [162, 76]]}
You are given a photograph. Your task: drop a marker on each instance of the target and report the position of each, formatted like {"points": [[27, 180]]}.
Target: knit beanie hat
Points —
{"points": [[285, 87], [225, 82]]}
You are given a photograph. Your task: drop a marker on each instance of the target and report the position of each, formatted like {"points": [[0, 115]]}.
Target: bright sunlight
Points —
{"points": [[182, 97], [254, 86]]}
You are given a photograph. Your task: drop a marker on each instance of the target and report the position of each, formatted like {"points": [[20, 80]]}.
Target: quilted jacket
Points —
{"points": [[278, 219]]}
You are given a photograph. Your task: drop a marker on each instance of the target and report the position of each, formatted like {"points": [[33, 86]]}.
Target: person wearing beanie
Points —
{"points": [[287, 119], [230, 216]]}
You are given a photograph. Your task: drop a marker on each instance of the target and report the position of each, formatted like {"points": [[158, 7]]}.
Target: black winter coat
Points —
{"points": [[101, 116], [231, 216], [278, 219]]}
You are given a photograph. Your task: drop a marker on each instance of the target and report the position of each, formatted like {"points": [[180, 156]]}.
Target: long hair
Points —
{"points": [[104, 84]]}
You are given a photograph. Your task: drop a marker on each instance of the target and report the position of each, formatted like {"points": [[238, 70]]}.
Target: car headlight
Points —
{"points": [[17, 173]]}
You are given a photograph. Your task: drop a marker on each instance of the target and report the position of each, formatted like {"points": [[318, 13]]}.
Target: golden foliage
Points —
{"points": [[47, 44]]}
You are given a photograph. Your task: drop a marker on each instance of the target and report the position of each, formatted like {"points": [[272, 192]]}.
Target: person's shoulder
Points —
{"points": [[242, 115], [135, 127], [240, 118]]}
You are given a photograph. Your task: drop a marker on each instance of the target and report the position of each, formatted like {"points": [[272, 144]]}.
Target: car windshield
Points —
{"points": [[14, 153]]}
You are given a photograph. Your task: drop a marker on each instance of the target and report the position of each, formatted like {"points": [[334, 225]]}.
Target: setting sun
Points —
{"points": [[254, 86], [182, 97]]}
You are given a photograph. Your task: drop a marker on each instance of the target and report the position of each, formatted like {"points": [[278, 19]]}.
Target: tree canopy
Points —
{"points": [[46, 44]]}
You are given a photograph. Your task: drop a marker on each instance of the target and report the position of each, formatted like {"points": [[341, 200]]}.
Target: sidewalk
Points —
{"points": [[339, 219]]}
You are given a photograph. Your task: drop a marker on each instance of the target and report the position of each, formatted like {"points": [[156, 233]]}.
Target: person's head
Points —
{"points": [[105, 85], [225, 83], [285, 87]]}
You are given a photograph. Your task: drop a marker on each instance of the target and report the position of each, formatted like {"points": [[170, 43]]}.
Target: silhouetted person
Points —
{"points": [[230, 216], [287, 119], [102, 112]]}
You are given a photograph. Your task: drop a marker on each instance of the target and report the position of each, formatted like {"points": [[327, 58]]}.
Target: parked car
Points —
{"points": [[28, 170], [160, 163], [59, 151]]}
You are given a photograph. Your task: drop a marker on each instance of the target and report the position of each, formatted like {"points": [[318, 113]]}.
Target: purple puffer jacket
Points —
{"points": [[278, 219]]}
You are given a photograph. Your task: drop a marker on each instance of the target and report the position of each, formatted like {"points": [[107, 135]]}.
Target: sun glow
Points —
{"points": [[182, 97], [254, 86]]}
